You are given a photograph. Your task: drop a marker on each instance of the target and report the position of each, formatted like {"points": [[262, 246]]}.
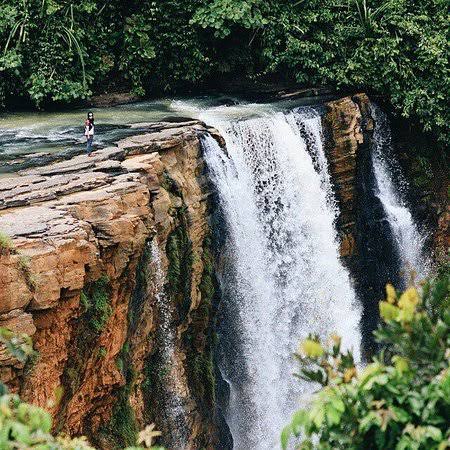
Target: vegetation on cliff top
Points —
{"points": [[59, 51], [399, 401]]}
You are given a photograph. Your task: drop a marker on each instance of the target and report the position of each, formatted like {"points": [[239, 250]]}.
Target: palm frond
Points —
{"points": [[17, 24], [71, 39]]}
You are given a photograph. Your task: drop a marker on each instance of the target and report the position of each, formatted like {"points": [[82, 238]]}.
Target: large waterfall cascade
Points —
{"points": [[281, 276], [391, 189]]}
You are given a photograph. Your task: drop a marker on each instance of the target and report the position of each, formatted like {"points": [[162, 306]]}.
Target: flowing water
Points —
{"points": [[281, 275], [279, 268], [172, 407], [392, 189], [32, 132]]}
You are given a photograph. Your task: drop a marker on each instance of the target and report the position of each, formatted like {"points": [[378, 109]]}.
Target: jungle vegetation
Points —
{"points": [[61, 51]]}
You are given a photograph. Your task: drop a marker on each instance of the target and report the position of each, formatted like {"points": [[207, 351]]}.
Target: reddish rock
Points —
{"points": [[73, 222], [344, 124]]}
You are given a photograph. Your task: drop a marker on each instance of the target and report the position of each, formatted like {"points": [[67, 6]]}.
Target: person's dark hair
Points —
{"points": [[90, 120]]}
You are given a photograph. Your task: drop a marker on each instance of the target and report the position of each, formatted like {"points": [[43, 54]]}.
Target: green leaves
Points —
{"points": [[223, 15], [19, 346], [26, 426], [399, 401]]}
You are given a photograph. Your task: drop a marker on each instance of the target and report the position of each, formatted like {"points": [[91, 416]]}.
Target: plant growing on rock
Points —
{"points": [[401, 400], [96, 303], [6, 244], [19, 346], [25, 426]]}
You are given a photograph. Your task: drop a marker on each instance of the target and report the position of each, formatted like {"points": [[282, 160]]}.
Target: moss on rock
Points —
{"points": [[179, 272], [122, 429], [96, 302], [200, 337]]}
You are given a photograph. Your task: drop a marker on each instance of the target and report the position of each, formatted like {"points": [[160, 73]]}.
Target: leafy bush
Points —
{"points": [[42, 54], [401, 400], [26, 426]]}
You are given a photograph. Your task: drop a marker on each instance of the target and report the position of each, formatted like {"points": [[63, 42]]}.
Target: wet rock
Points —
{"points": [[345, 127]]}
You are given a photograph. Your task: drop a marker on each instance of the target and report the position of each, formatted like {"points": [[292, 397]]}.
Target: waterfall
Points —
{"points": [[279, 268], [391, 188], [172, 408]]}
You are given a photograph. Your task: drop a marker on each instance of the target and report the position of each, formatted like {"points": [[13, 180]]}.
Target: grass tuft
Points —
{"points": [[6, 244]]}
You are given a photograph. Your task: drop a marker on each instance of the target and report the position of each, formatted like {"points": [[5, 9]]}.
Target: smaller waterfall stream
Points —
{"points": [[281, 276], [391, 189], [173, 404]]}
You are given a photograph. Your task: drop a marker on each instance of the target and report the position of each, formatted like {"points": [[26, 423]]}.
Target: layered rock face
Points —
{"points": [[111, 273], [348, 127], [109, 254]]}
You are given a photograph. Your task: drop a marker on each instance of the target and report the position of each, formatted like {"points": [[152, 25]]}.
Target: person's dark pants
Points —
{"points": [[90, 139]]}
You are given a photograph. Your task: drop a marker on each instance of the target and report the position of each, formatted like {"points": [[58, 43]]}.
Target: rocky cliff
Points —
{"points": [[367, 245], [346, 133], [106, 264], [349, 127]]}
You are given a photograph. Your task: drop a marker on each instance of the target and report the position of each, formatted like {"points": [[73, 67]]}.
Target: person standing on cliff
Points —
{"points": [[89, 132]]}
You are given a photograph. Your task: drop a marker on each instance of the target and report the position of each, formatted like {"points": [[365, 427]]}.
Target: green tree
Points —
{"points": [[62, 50], [401, 400], [42, 52]]}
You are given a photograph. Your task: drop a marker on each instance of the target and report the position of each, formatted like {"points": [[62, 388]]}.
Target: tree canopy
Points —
{"points": [[62, 50]]}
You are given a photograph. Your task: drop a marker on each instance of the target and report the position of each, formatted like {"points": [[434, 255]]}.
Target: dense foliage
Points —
{"points": [[63, 50], [402, 399]]}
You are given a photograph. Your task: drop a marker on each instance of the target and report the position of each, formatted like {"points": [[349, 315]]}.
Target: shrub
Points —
{"points": [[401, 399], [26, 426]]}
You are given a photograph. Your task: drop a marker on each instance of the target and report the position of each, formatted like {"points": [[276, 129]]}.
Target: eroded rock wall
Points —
{"points": [[368, 245], [346, 132], [80, 279]]}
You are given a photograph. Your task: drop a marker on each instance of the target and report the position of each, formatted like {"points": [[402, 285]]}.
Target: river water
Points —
{"points": [[28, 135]]}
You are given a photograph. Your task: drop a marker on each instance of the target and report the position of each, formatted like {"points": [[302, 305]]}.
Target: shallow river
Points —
{"points": [[27, 137]]}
